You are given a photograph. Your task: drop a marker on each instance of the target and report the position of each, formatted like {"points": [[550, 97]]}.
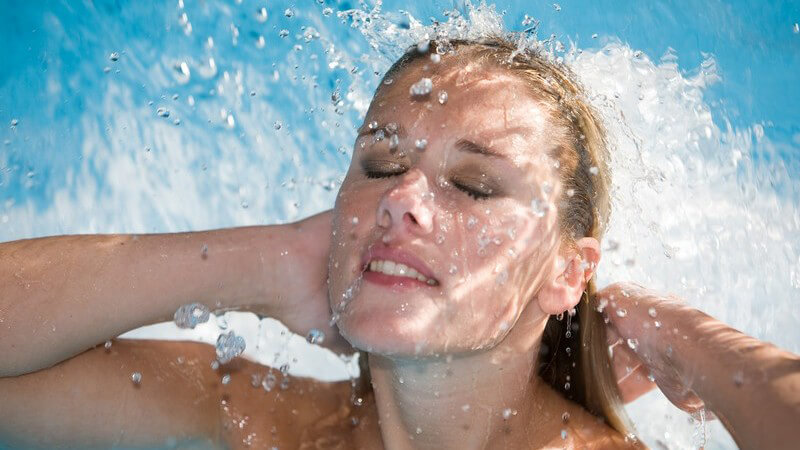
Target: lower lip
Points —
{"points": [[391, 280]]}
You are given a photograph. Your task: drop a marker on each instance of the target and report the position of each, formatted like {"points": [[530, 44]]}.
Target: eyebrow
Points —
{"points": [[468, 146]]}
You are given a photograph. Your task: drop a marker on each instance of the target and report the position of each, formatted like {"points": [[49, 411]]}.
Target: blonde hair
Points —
{"points": [[574, 357]]}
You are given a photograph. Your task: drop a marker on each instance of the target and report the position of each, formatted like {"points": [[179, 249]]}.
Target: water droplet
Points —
{"points": [[436, 58], [419, 430], [136, 378], [181, 72], [315, 336], [594, 36], [283, 33], [327, 12], [652, 312], [538, 207], [421, 88], [565, 417], [214, 365], [204, 251], [622, 312], [190, 315], [229, 346], [107, 345], [442, 97], [796, 28], [14, 122], [420, 144], [738, 378], [632, 343], [594, 170], [226, 378], [114, 56], [557, 7], [269, 381], [162, 112], [277, 125], [288, 13], [261, 15], [563, 434], [394, 142], [354, 220]]}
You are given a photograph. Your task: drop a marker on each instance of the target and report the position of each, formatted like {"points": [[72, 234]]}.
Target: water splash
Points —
{"points": [[703, 195]]}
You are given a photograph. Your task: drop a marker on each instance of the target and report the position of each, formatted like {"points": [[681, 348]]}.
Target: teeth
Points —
{"points": [[401, 270]]}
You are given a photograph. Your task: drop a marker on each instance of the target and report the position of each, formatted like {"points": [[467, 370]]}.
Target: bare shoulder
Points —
{"points": [[575, 427], [585, 430], [149, 393], [262, 408]]}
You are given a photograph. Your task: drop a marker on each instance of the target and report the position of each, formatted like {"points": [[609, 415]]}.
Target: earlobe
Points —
{"points": [[565, 288]]}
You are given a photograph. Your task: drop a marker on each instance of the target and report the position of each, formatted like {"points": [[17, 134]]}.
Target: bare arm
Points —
{"points": [[62, 295], [752, 386], [90, 400]]}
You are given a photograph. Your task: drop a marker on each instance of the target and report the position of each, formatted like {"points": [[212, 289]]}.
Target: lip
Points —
{"points": [[381, 251]]}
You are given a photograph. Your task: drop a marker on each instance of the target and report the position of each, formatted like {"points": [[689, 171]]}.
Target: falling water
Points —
{"points": [[212, 114]]}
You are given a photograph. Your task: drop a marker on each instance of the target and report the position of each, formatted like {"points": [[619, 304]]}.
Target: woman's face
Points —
{"points": [[445, 225]]}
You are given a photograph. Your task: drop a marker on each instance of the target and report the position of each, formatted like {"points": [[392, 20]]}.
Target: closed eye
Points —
{"points": [[482, 192], [382, 169]]}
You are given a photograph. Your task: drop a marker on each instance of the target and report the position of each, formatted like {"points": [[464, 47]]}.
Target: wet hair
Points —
{"points": [[574, 356]]}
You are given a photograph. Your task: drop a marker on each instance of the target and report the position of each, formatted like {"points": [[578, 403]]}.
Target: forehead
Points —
{"points": [[490, 106]]}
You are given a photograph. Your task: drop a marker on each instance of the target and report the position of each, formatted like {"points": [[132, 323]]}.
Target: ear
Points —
{"points": [[575, 267]]}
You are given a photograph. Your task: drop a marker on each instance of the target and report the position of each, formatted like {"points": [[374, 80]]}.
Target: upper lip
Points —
{"points": [[382, 252]]}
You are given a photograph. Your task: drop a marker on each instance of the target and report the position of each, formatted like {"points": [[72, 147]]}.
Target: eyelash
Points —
{"points": [[476, 195], [472, 193]]}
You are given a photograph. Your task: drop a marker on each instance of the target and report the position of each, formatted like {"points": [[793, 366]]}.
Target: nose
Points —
{"points": [[408, 206]]}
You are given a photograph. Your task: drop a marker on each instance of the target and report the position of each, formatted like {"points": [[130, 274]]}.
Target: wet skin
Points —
{"points": [[460, 208], [93, 404], [484, 166]]}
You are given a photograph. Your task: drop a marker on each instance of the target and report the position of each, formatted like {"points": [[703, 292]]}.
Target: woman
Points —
{"points": [[463, 244]]}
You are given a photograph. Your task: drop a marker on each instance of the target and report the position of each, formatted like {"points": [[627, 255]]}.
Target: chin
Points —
{"points": [[390, 331]]}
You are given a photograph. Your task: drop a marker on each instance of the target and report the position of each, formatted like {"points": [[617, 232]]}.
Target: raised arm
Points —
{"points": [[698, 360], [62, 295]]}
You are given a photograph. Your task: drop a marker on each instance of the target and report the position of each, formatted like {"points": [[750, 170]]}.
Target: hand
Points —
{"points": [[641, 325]]}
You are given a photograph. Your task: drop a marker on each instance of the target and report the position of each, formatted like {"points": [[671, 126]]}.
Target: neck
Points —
{"points": [[478, 400]]}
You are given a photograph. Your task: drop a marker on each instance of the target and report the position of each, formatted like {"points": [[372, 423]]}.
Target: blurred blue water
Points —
{"points": [[259, 139], [52, 73]]}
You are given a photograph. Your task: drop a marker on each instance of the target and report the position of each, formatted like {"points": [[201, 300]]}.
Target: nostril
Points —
{"points": [[412, 218]]}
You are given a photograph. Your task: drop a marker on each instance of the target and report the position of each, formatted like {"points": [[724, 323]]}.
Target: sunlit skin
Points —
{"points": [[452, 362], [485, 227], [488, 255]]}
